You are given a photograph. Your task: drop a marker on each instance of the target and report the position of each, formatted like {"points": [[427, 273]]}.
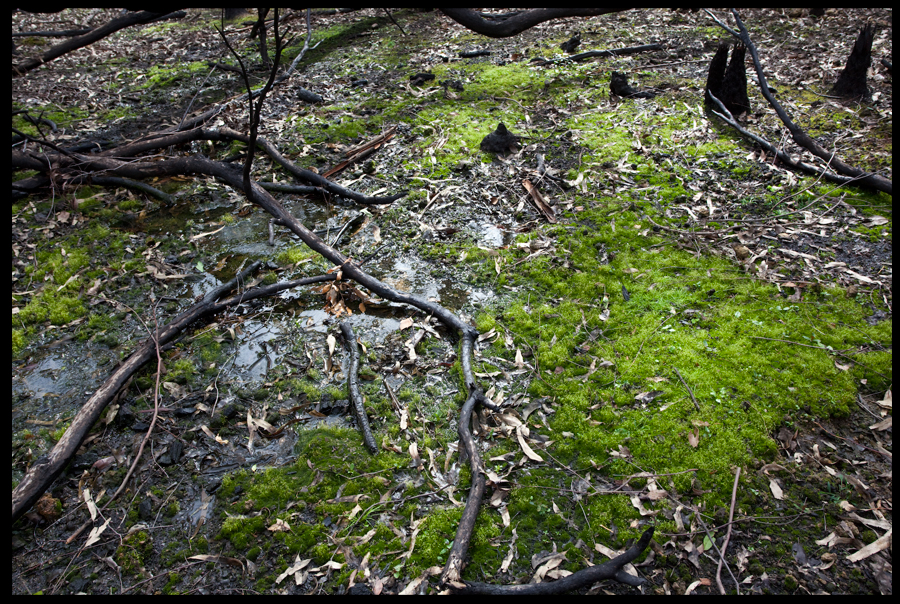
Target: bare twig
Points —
{"points": [[137, 456], [688, 388], [737, 476]]}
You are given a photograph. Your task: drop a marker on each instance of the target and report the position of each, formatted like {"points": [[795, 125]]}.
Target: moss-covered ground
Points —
{"points": [[639, 368]]}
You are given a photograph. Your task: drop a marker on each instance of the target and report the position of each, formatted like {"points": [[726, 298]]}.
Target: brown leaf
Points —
{"points": [[539, 201], [694, 437], [529, 453]]}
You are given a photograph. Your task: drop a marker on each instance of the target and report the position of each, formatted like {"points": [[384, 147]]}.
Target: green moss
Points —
{"points": [[181, 371], [18, 341], [295, 254], [48, 305], [131, 205], [134, 552], [172, 509], [239, 530], [174, 579]]}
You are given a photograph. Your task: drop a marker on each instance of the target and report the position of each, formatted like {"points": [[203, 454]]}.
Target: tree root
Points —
{"points": [[612, 569], [356, 398]]}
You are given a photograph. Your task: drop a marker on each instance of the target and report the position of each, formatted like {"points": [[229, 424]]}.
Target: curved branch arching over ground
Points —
{"points": [[505, 26]]}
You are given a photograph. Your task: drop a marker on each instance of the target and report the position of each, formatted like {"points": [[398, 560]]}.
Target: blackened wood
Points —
{"points": [[356, 398], [716, 73], [734, 83], [519, 21], [612, 569], [851, 84], [129, 19]]}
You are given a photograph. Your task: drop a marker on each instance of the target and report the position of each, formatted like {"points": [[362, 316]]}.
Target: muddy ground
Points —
{"points": [[779, 326]]}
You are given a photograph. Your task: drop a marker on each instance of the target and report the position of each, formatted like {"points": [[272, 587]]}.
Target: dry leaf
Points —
{"points": [[216, 438], [539, 201], [694, 437], [704, 581], [636, 502], [215, 558], [94, 537], [279, 526], [887, 402], [298, 566], [529, 453], [776, 490], [884, 424], [880, 544]]}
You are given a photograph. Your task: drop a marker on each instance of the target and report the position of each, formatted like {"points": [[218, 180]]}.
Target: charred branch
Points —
{"points": [[356, 397], [114, 181], [590, 54], [45, 470], [98, 161], [132, 18], [504, 26], [612, 569], [771, 149]]}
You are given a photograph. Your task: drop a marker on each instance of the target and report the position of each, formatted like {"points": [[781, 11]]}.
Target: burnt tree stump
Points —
{"points": [[851, 84]]}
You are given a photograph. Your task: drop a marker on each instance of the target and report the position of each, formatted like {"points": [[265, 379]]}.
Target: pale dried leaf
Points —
{"points": [[776, 490], [880, 544], [94, 537], [529, 453], [279, 526]]}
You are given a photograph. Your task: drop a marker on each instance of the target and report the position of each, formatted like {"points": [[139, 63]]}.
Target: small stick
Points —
{"points": [[688, 388], [737, 476]]}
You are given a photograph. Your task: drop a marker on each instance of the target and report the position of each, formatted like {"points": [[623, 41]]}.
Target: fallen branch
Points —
{"points": [[112, 181], [784, 157], [456, 558], [612, 569], [590, 54], [504, 26], [110, 160], [140, 452], [129, 19], [356, 398]]}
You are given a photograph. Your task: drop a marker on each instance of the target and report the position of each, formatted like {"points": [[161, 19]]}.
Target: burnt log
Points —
{"points": [[618, 85], [510, 24], [611, 569]]}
